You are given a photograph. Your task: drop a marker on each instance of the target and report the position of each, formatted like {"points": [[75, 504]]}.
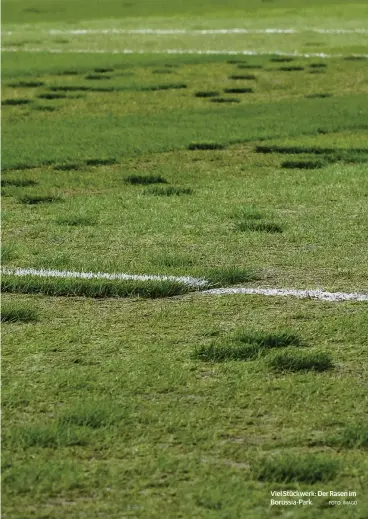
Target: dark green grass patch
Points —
{"points": [[354, 436], [318, 65], [169, 86], [291, 69], [300, 361], [222, 351], [68, 73], [243, 76], [281, 59], [39, 199], [52, 96], [353, 155], [317, 71], [206, 146], [15, 312], [145, 179], [168, 191], [355, 58], [27, 84], [210, 93], [84, 88], [76, 220], [246, 66], [93, 288], [103, 70], [236, 61], [258, 226], [100, 162], [224, 100], [15, 102], [318, 96], [309, 469], [92, 414], [97, 76], [18, 182], [268, 339], [305, 164], [230, 275], [244, 90]]}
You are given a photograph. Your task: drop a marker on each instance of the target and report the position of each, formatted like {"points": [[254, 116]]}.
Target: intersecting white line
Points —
{"points": [[192, 282], [182, 52]]}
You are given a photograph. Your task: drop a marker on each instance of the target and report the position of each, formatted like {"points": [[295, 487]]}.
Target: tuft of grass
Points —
{"points": [[103, 70], [39, 199], [318, 65], [93, 288], [230, 275], [243, 76], [51, 436], [18, 182], [68, 73], [257, 226], [15, 312], [8, 253], [250, 213], [76, 220], [244, 90], [291, 69], [169, 86], [309, 469], [209, 93], [281, 59], [268, 339], [305, 164], [50, 95], [226, 351], [27, 84], [15, 102], [236, 61], [100, 162], [92, 414], [354, 436], [300, 361], [246, 66], [224, 100], [97, 76], [145, 179], [44, 108], [318, 96], [168, 191], [206, 146]]}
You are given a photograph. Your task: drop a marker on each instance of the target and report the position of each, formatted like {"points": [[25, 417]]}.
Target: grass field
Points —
{"points": [[150, 138]]}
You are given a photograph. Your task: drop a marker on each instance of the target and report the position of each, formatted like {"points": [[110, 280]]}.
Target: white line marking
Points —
{"points": [[45, 273], [190, 281], [302, 294], [183, 51]]}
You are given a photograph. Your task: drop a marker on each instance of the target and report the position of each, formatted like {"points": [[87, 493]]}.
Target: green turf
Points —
{"points": [[147, 399]]}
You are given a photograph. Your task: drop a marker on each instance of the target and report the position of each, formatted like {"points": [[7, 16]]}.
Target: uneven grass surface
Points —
{"points": [[146, 399]]}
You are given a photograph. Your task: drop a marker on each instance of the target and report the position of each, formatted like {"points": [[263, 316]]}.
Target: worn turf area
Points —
{"points": [[143, 398]]}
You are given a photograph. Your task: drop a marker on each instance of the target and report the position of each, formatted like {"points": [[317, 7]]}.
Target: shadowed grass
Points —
{"points": [[246, 66], [52, 96], [318, 96], [94, 288], [257, 226], [300, 361], [97, 76], [238, 90], [236, 61], [207, 94], [354, 436], [145, 179], [15, 102], [224, 100], [291, 69], [305, 164], [318, 65], [15, 312], [27, 84], [39, 199], [163, 71], [354, 155], [281, 59], [291, 468], [100, 162], [172, 86], [44, 108], [317, 71], [206, 146], [243, 76], [18, 182], [168, 191], [103, 70]]}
